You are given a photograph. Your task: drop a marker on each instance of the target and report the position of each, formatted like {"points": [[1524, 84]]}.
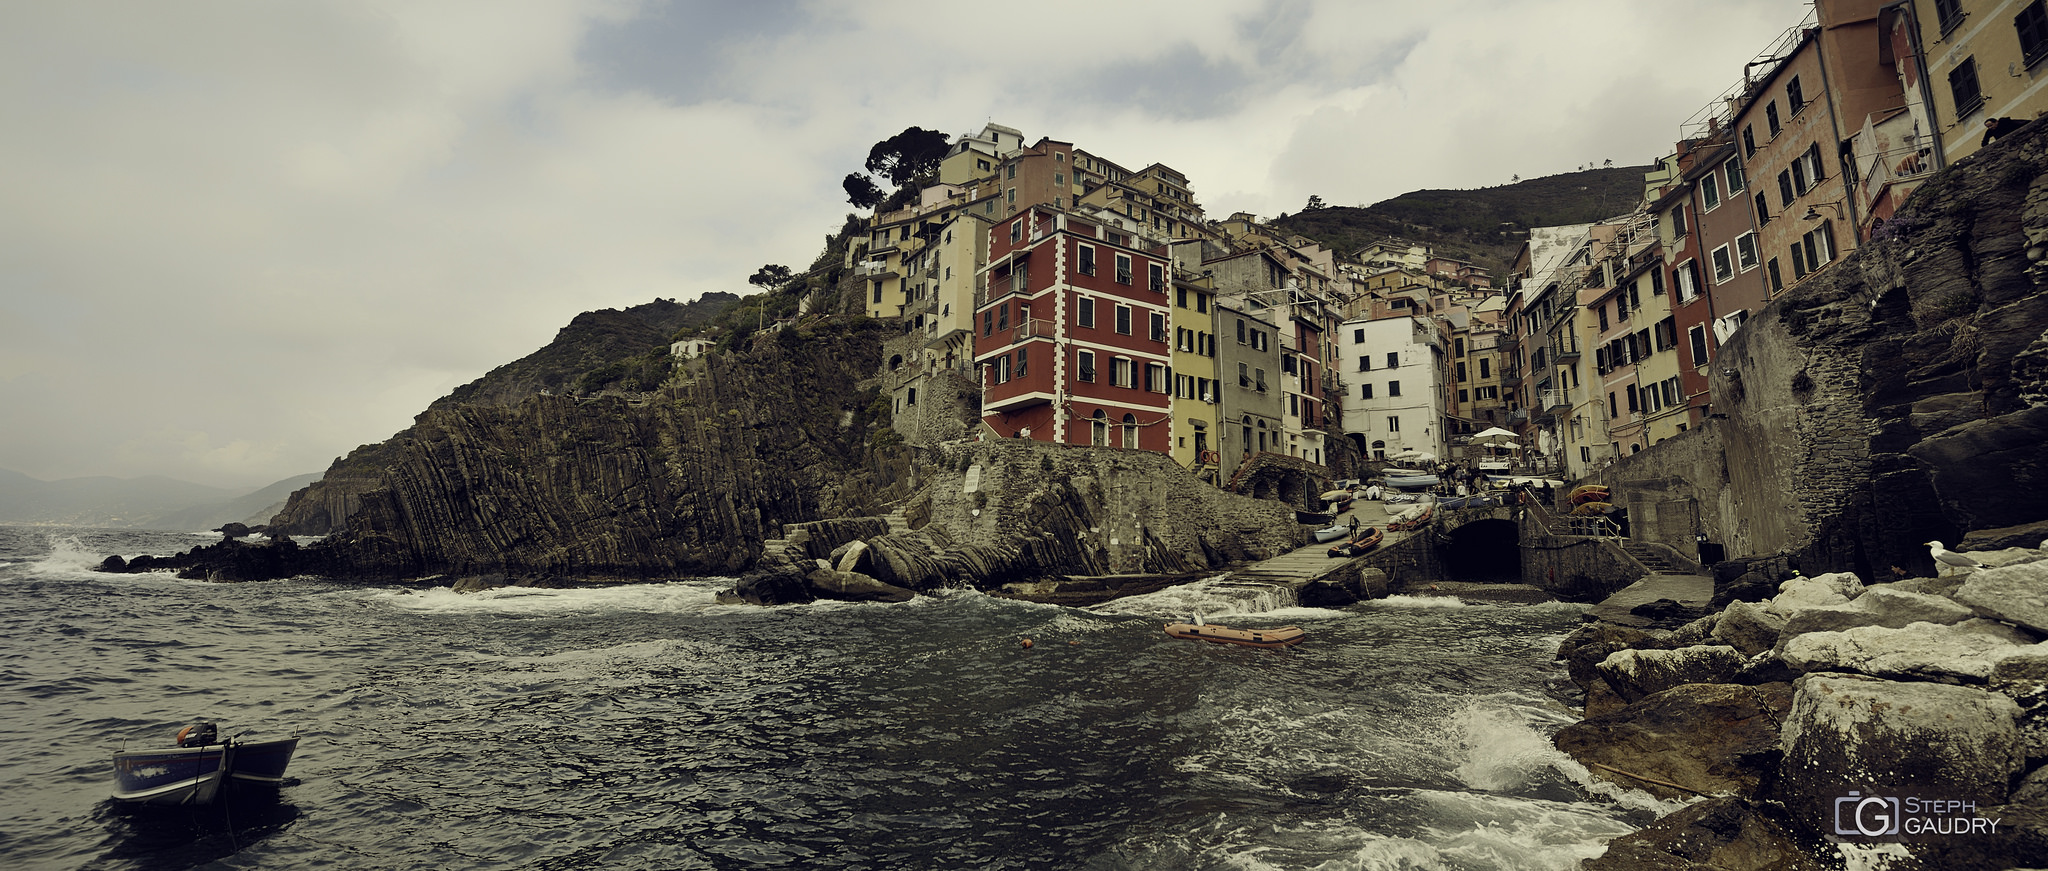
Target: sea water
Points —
{"points": [[651, 727]]}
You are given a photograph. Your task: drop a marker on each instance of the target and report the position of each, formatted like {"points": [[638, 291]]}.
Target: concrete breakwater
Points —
{"points": [[1788, 713]]}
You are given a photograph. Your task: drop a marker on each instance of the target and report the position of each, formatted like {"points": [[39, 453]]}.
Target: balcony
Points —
{"points": [[876, 269], [1033, 329], [1564, 348], [1509, 343], [1510, 377], [1553, 401]]}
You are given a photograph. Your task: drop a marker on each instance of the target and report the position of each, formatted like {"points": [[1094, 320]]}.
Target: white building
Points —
{"points": [[1393, 375]]}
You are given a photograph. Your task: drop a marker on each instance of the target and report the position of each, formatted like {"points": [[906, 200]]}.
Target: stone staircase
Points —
{"points": [[1651, 559], [896, 522]]}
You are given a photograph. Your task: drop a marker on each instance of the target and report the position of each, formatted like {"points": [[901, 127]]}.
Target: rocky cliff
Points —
{"points": [[593, 342]]}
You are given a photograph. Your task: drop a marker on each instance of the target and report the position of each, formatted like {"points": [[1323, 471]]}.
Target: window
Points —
{"points": [[1819, 245], [1678, 221], [1710, 192], [1748, 140], [1962, 85], [1393, 388], [1012, 169], [1244, 375], [1733, 171], [1084, 259], [1123, 269], [1123, 320], [1698, 335], [1393, 423], [1795, 97], [1656, 282], [1258, 340], [1364, 363], [1785, 191], [1155, 377], [1158, 320], [988, 322], [1016, 229], [1358, 336], [1745, 251], [1777, 281], [1259, 380], [1020, 362], [1156, 274], [1059, 178], [1949, 13], [2032, 25], [1686, 276], [1461, 370], [1813, 167], [1771, 118], [1724, 266], [1485, 368], [1084, 312], [1365, 391], [1084, 366], [1603, 316], [1003, 369], [1120, 374], [1240, 331], [1763, 208], [1393, 359], [1003, 316]]}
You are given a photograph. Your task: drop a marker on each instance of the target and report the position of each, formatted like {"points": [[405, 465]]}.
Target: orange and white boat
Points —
{"points": [[1271, 639]]}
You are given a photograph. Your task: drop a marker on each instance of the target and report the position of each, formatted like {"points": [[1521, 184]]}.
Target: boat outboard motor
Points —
{"points": [[198, 735]]}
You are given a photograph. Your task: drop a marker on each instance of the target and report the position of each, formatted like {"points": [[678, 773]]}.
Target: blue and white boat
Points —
{"points": [[194, 771]]}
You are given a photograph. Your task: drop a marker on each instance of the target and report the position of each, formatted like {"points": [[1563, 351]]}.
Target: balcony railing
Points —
{"points": [[1033, 329], [1554, 399], [1564, 348]]}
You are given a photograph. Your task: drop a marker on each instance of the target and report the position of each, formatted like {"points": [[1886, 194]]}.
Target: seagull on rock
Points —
{"points": [[1945, 557]]}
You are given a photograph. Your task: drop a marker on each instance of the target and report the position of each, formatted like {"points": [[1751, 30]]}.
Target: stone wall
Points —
{"points": [[1144, 511], [929, 404]]}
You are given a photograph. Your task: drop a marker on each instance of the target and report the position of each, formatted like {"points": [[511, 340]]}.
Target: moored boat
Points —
{"points": [[1332, 533], [1411, 482], [1270, 639], [1367, 539], [195, 770]]}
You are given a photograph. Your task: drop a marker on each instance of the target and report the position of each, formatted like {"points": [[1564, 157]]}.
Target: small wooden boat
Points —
{"points": [[194, 771], [1367, 539], [1412, 482], [1271, 639]]}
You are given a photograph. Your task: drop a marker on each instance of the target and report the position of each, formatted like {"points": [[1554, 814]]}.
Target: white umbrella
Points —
{"points": [[1408, 454], [1494, 434]]}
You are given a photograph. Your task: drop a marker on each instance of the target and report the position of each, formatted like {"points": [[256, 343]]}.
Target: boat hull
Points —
{"points": [[175, 776], [261, 762], [1269, 639]]}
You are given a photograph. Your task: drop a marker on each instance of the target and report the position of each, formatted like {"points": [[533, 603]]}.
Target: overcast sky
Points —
{"points": [[238, 239]]}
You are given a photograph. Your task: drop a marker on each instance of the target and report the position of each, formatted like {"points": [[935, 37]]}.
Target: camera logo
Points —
{"points": [[1871, 816]]}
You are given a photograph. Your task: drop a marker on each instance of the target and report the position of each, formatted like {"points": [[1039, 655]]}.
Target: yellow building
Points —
{"points": [[1195, 392]]}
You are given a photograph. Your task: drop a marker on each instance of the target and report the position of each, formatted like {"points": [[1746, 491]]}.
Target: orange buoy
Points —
{"points": [[1027, 644]]}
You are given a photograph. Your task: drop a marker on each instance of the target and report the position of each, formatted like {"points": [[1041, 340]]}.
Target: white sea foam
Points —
{"points": [[68, 556], [1421, 602], [679, 596], [1210, 597]]}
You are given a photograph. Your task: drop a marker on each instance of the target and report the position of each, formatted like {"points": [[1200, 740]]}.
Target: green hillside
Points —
{"points": [[1483, 225]]}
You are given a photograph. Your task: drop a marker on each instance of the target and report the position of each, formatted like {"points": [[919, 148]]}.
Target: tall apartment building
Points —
{"points": [[1072, 335], [1394, 372]]}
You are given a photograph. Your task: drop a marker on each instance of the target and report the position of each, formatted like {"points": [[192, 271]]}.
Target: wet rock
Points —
{"points": [[1719, 834], [1749, 628], [2023, 676], [2016, 594], [1666, 613], [1635, 674], [1707, 738], [1583, 650], [480, 583], [1921, 651], [1699, 631], [855, 587], [1849, 732], [1749, 586], [781, 585], [848, 557]]}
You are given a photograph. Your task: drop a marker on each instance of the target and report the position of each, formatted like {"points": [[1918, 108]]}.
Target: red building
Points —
{"points": [[1071, 333]]}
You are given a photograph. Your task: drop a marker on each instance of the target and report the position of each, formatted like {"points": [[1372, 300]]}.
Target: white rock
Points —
{"points": [[1877, 606], [1848, 732], [1917, 651], [1799, 594], [2015, 594]]}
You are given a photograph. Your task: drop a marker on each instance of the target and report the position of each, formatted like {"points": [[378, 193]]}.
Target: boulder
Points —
{"points": [[1700, 631], [1799, 594], [1920, 651], [1719, 834], [1638, 673], [1845, 583], [2015, 594], [778, 586], [1849, 732], [848, 557], [1666, 613], [2023, 676], [1587, 645], [1878, 606], [854, 587], [1749, 586], [1749, 628], [1707, 738]]}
